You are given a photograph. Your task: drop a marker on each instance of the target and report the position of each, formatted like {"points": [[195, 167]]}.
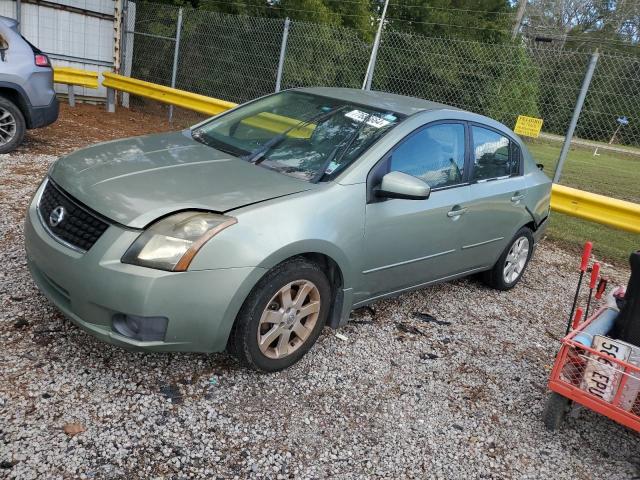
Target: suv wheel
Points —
{"points": [[12, 126], [282, 316]]}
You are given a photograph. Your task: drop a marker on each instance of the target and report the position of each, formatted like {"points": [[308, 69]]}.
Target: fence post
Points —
{"points": [[283, 51], [368, 77], [576, 114], [176, 52], [128, 37], [19, 13], [117, 35], [111, 100], [522, 5], [72, 96]]}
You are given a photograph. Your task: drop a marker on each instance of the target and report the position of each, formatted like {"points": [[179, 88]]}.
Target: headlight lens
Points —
{"points": [[171, 243]]}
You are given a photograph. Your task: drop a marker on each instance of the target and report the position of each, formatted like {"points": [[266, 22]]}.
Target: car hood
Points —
{"points": [[136, 180]]}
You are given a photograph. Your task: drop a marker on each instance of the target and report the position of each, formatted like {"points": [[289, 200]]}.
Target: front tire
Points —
{"points": [[282, 317], [12, 126], [510, 267]]}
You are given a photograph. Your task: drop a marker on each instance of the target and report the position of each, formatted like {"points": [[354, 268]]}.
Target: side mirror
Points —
{"points": [[401, 185]]}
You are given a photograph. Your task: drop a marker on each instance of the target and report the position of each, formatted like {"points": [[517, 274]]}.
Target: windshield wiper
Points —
{"points": [[258, 155], [321, 172], [198, 136]]}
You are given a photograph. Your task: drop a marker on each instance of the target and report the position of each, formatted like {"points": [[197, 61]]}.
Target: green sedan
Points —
{"points": [[253, 230]]}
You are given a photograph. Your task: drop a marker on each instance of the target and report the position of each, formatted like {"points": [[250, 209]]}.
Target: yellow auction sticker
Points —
{"points": [[528, 126]]}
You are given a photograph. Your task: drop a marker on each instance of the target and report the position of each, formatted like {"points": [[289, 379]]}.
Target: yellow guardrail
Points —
{"points": [[75, 76], [278, 123], [596, 208], [172, 96], [202, 104]]}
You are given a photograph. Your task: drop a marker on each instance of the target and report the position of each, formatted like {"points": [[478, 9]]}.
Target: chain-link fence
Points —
{"points": [[237, 58]]}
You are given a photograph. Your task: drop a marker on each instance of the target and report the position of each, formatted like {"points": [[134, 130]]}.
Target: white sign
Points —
{"points": [[371, 119]]}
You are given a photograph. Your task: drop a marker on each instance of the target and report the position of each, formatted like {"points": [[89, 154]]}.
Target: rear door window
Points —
{"points": [[494, 155]]}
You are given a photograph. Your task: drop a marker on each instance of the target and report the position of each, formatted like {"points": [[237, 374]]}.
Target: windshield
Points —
{"points": [[299, 134]]}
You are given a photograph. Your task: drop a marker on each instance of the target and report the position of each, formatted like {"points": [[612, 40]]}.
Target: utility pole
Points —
{"points": [[368, 77], [522, 5]]}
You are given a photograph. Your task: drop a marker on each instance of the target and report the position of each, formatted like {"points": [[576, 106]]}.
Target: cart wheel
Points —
{"points": [[555, 411]]}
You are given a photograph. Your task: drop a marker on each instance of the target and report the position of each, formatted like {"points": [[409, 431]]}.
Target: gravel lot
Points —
{"points": [[400, 398]]}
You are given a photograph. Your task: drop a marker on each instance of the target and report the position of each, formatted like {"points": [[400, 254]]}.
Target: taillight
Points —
{"points": [[42, 60]]}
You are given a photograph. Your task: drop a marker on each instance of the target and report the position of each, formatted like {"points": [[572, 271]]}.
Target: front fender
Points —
{"points": [[327, 220], [316, 246]]}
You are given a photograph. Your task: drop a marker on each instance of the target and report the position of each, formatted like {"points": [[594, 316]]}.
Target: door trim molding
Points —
{"points": [[406, 262], [414, 287], [465, 247]]}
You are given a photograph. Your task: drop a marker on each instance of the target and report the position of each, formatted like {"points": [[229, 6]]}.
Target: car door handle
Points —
{"points": [[517, 197], [456, 212]]}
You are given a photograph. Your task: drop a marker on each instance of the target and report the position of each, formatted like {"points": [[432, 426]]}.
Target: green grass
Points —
{"points": [[613, 174]]}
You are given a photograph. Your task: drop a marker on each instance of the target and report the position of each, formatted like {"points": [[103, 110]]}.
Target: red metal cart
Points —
{"points": [[592, 377]]}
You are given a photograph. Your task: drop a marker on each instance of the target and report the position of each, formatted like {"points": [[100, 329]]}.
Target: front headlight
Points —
{"points": [[171, 243]]}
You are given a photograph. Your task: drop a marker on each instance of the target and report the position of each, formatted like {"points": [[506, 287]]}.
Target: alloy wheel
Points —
{"points": [[7, 126], [289, 318], [516, 260]]}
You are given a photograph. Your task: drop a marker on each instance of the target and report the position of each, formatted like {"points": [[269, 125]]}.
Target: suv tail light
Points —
{"points": [[42, 60]]}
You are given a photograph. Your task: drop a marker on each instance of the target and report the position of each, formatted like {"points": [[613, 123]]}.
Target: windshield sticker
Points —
{"points": [[360, 116], [331, 167]]}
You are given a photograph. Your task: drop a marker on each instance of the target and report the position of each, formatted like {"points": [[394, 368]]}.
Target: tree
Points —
{"points": [[485, 20]]}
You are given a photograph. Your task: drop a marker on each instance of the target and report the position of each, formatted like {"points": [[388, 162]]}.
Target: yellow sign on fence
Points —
{"points": [[528, 126]]}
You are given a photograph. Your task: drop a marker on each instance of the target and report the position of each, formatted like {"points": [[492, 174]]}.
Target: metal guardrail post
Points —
{"points": [[368, 77], [176, 53], [283, 51], [111, 100], [71, 95], [576, 114]]}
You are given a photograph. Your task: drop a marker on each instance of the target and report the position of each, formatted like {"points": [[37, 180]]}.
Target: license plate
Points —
{"points": [[632, 386], [602, 376]]}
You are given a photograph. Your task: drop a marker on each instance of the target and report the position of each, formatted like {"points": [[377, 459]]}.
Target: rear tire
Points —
{"points": [[12, 126], [554, 411], [511, 265], [282, 317]]}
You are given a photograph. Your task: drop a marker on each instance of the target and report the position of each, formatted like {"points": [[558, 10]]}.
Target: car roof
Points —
{"points": [[382, 100]]}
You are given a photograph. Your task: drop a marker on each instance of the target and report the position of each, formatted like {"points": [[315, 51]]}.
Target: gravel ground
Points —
{"points": [[401, 397]]}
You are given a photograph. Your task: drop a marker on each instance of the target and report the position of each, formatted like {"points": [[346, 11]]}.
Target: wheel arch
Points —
{"points": [[324, 253], [333, 261], [330, 259], [335, 276], [329, 265], [16, 95]]}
